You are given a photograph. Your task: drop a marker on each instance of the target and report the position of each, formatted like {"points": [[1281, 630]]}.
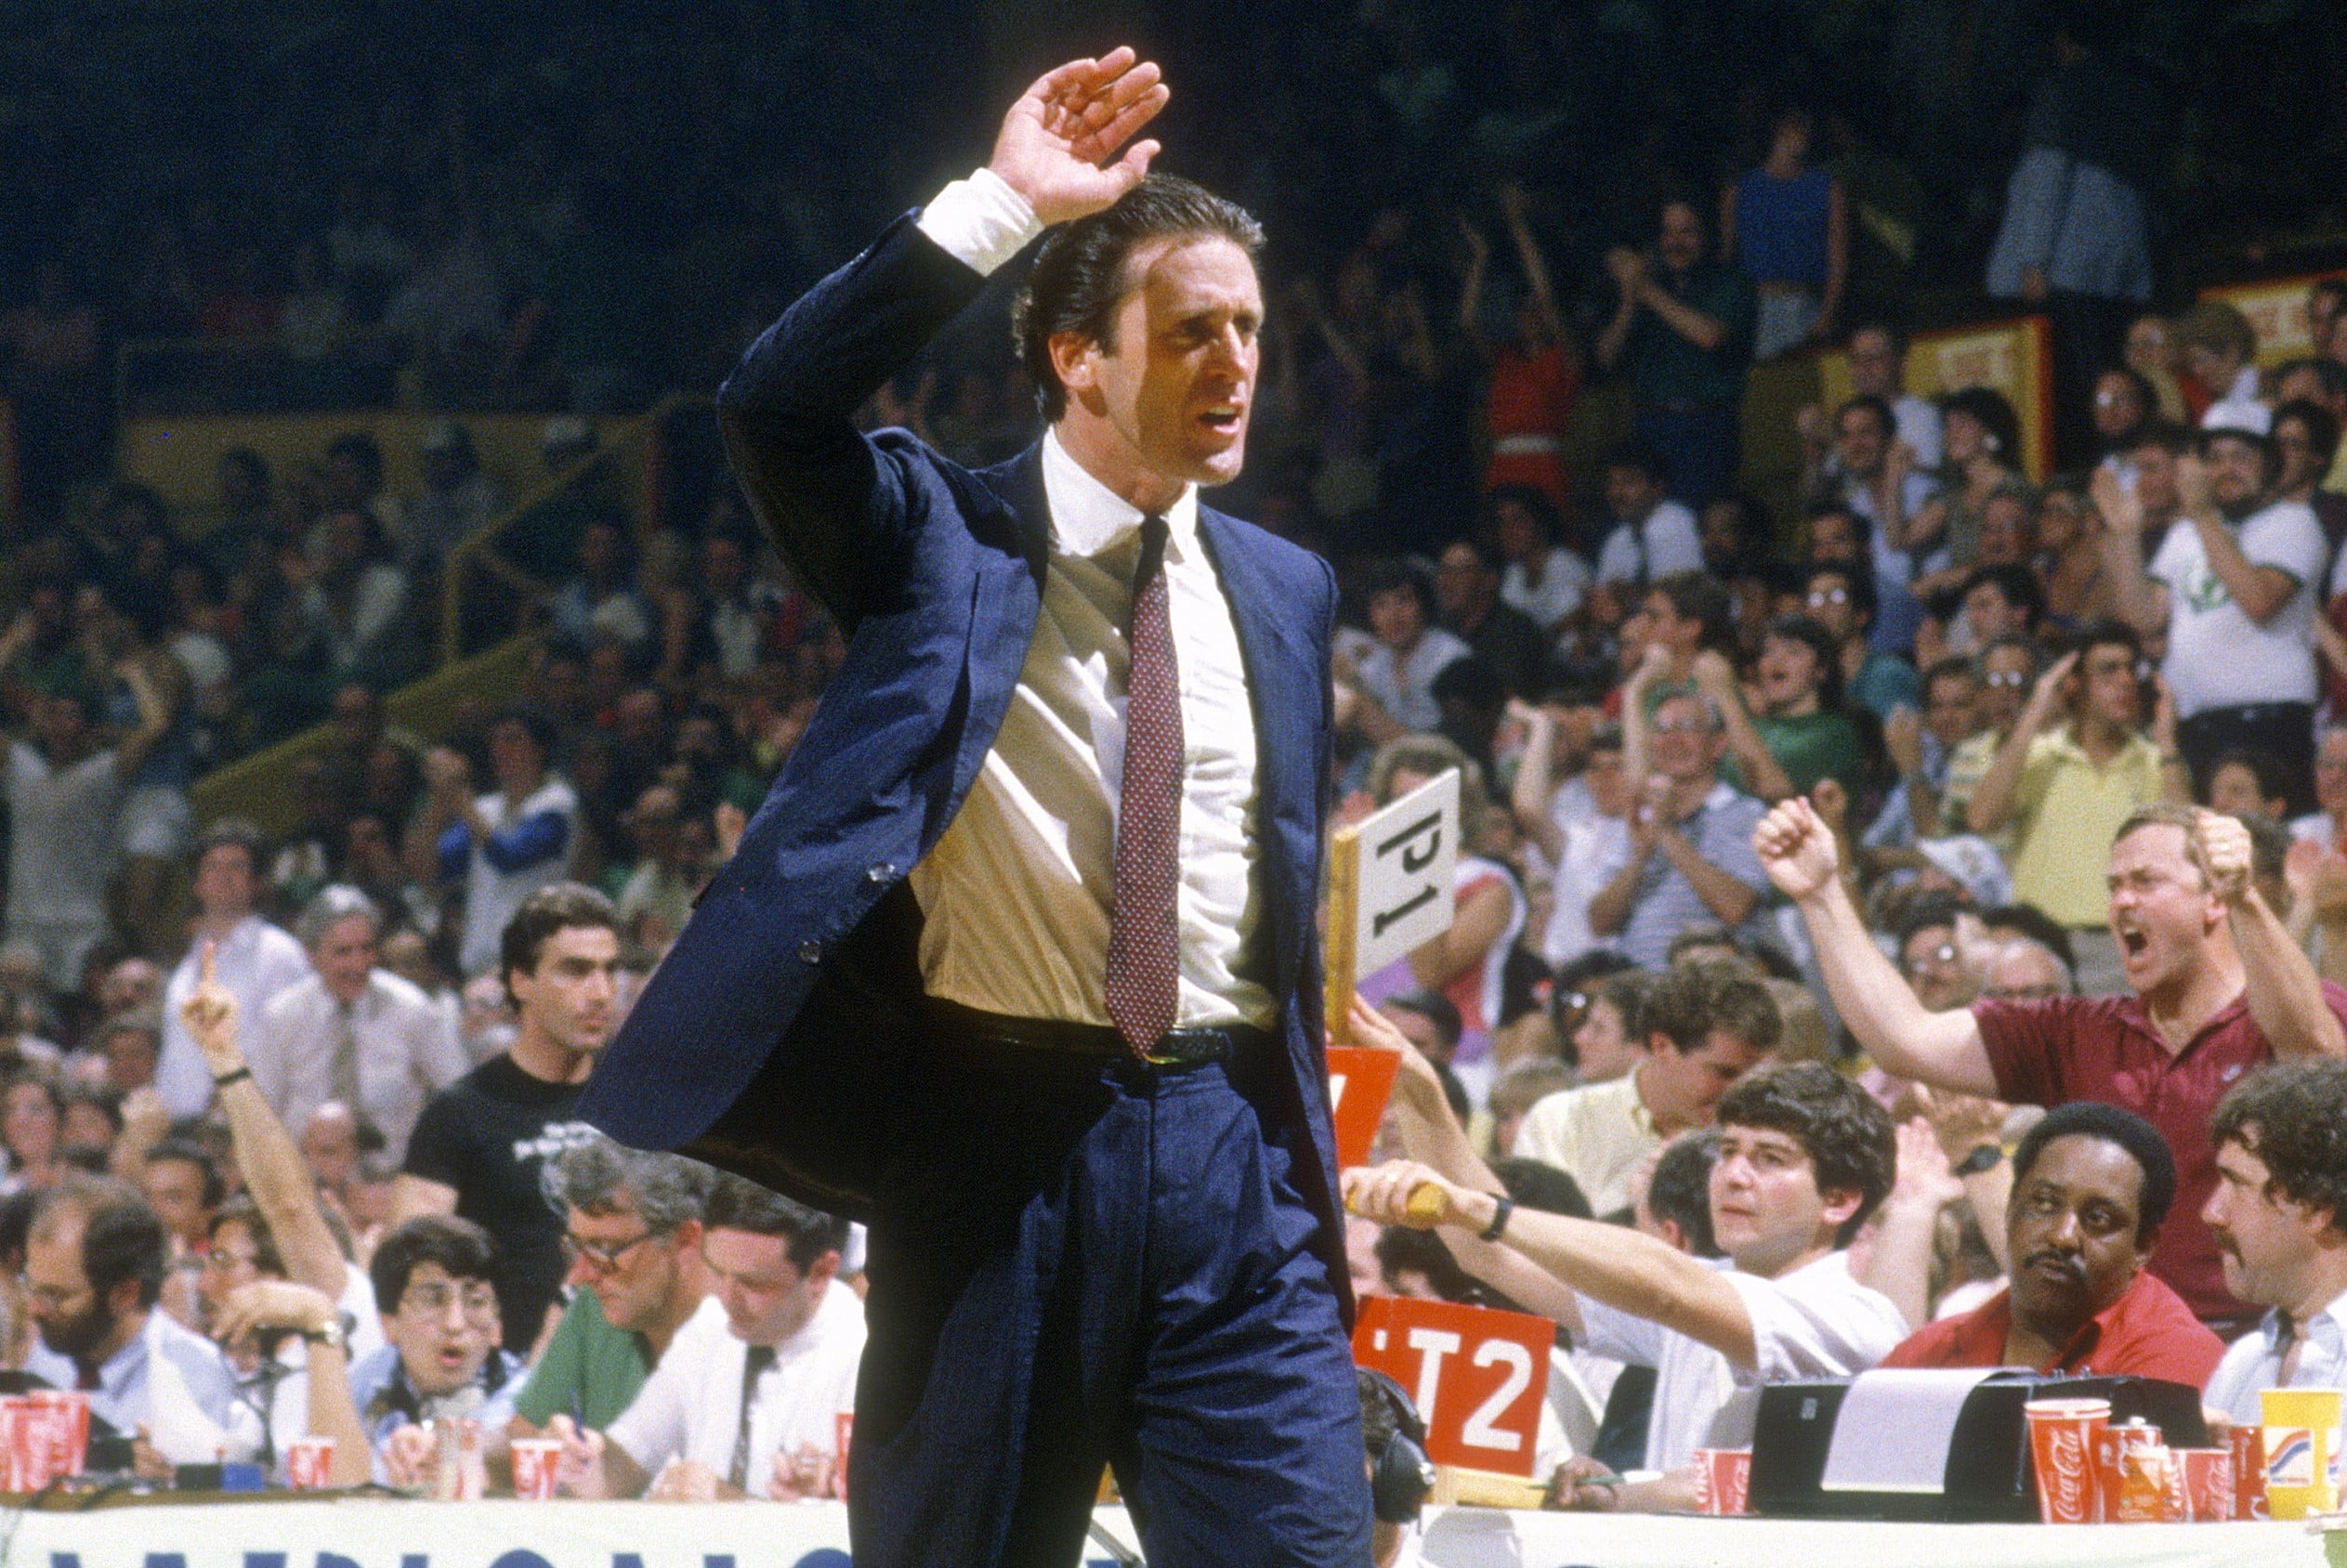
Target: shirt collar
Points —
{"points": [[1088, 518]]}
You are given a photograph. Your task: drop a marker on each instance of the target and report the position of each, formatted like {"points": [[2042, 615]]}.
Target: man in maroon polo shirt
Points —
{"points": [[2219, 989], [2091, 1185]]}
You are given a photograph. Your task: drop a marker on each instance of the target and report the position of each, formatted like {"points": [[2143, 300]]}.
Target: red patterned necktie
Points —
{"points": [[1143, 951]]}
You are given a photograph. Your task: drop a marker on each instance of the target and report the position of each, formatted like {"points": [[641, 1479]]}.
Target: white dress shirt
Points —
{"points": [[402, 1044], [1017, 893], [254, 962], [1816, 1322], [691, 1406], [2253, 1362]]}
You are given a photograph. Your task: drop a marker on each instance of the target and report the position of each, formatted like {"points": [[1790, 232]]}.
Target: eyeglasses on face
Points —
{"points": [[601, 1256], [479, 1301]]}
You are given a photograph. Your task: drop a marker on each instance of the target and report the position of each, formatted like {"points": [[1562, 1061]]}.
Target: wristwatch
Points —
{"points": [[1983, 1158], [1499, 1215], [333, 1334]]}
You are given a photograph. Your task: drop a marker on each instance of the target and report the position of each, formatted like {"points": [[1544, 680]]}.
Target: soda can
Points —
{"points": [[537, 1461], [2061, 1456], [2142, 1483], [14, 1414], [310, 1463], [2249, 1471], [1722, 1479], [2202, 1480], [69, 1431], [2110, 1446], [460, 1474]]}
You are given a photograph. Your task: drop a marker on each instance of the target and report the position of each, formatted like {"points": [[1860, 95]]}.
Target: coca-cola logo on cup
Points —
{"points": [[2066, 1458]]}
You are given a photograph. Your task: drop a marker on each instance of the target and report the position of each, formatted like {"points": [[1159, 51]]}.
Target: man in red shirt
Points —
{"points": [[2091, 1185], [2219, 989]]}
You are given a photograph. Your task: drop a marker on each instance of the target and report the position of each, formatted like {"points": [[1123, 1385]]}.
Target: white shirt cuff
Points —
{"points": [[980, 220]]}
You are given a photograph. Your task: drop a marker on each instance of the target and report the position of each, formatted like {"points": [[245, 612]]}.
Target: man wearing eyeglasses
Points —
{"points": [[1691, 859], [748, 1400], [632, 1235], [434, 1277]]}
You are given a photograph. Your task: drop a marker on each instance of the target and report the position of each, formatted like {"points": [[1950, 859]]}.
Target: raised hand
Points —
{"points": [[1796, 849], [1925, 1180], [2192, 489], [210, 1014], [1057, 140], [2220, 845], [2047, 697], [1903, 738], [2120, 512]]}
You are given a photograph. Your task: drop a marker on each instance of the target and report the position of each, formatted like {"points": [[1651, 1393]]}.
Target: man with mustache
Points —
{"points": [[2279, 1213], [2091, 1185]]}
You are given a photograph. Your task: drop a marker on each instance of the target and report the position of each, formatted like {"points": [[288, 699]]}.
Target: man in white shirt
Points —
{"points": [[352, 1031], [1876, 478], [94, 1260], [1806, 1155], [1652, 535], [2233, 588], [253, 959], [509, 843], [2279, 1215], [747, 1400], [1053, 838], [63, 793], [1706, 1025]]}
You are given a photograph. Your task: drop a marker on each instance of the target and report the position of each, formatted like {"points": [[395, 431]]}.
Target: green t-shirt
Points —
{"points": [[591, 1371], [1814, 746]]}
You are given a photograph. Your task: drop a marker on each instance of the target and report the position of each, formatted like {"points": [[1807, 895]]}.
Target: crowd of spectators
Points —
{"points": [[1797, 835]]}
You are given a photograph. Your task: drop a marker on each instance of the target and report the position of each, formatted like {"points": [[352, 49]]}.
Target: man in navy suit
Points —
{"points": [[1016, 962]]}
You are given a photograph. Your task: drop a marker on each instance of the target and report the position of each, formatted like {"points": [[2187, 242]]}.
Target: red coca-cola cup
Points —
{"points": [[846, 1429], [16, 1414], [68, 1410], [33, 1445], [2248, 1471], [1722, 1479], [310, 1463], [537, 1461], [2061, 1456], [2202, 1481]]}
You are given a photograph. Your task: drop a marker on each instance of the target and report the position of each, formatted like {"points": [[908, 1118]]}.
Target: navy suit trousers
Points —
{"points": [[1077, 1264]]}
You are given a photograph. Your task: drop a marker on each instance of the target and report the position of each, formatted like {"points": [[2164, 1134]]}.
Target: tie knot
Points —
{"points": [[1154, 533], [761, 1357]]}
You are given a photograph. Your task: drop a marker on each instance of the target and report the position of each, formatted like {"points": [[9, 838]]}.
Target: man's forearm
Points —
{"points": [[2284, 994], [1903, 1035], [1609, 910], [1627, 1269], [1729, 900]]}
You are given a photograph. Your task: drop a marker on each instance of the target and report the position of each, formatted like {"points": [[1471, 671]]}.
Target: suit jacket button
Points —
{"points": [[811, 951], [881, 872]]}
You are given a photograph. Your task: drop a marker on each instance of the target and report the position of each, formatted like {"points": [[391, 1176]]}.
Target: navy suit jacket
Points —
{"points": [[773, 1036]]}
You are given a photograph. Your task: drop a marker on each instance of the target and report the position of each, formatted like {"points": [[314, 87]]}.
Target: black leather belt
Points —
{"points": [[1058, 1040]]}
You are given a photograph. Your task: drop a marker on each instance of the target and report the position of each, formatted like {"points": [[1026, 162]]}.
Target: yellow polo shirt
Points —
{"points": [[2067, 814], [1597, 1134]]}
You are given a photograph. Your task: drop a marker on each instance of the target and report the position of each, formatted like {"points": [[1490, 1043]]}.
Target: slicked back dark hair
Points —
{"points": [[1080, 275], [2123, 1129], [1848, 1135], [738, 1204], [2292, 1115]]}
